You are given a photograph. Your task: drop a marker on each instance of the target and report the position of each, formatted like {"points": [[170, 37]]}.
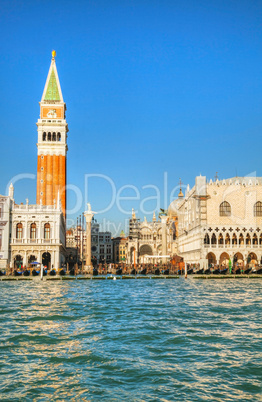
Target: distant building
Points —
{"points": [[151, 242], [120, 248], [5, 227], [101, 243], [220, 222]]}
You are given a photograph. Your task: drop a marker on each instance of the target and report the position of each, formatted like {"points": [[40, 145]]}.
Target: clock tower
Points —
{"points": [[52, 143]]}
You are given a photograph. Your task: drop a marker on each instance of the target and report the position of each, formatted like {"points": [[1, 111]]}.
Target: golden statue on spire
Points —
{"points": [[53, 54]]}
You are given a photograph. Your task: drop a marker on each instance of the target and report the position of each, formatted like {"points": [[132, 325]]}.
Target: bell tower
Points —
{"points": [[52, 143]]}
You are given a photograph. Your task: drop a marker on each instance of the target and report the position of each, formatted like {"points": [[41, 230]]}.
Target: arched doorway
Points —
{"points": [[238, 260], [211, 259], [46, 260], [32, 258], [224, 260], [144, 251], [252, 260], [18, 261]]}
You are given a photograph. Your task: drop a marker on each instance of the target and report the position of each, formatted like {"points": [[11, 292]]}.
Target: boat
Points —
{"points": [[26, 272], [143, 272], [223, 271], [199, 271], [35, 272], [207, 271], [2, 273], [72, 272], [157, 271], [216, 271], [62, 272], [17, 273], [52, 272], [95, 272], [166, 272], [190, 271], [237, 271], [119, 271], [247, 271], [133, 272]]}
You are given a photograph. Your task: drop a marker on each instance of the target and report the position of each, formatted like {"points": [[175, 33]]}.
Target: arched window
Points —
{"points": [[33, 231], [241, 239], [47, 231], [19, 231], [227, 241], [255, 240], [49, 137], [220, 239], [206, 239], [248, 240], [234, 239], [225, 209], [260, 239], [213, 239], [44, 136], [58, 136], [258, 209], [54, 137]]}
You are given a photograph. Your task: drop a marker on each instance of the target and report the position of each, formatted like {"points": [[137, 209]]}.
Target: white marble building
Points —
{"points": [[150, 242], [37, 234], [220, 221], [6, 203]]}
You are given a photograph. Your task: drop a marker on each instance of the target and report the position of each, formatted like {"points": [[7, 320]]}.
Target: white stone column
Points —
{"points": [[88, 215], [164, 237]]}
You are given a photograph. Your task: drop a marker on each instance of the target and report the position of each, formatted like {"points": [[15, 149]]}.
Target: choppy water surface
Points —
{"points": [[139, 340]]}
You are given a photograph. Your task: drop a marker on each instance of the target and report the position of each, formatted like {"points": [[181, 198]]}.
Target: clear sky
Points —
{"points": [[153, 89]]}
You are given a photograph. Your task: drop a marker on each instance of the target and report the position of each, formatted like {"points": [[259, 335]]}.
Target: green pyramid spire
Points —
{"points": [[52, 93]]}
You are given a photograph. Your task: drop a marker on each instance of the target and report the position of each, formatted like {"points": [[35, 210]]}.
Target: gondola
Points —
{"points": [[95, 272], [143, 272], [157, 271], [62, 272], [17, 273], [166, 272], [2, 273], [72, 272], [119, 271], [190, 271], [259, 271], [133, 272], [199, 271], [52, 272], [207, 271], [237, 271], [35, 272], [216, 271], [223, 271], [26, 272], [247, 271]]}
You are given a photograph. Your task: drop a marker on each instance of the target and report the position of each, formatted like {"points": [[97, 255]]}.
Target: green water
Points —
{"points": [[180, 340]]}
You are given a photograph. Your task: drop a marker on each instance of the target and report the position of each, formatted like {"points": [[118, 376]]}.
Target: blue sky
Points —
{"points": [[153, 89]]}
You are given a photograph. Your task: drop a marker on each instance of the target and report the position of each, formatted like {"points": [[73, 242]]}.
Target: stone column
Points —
{"points": [[164, 237], [88, 215]]}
